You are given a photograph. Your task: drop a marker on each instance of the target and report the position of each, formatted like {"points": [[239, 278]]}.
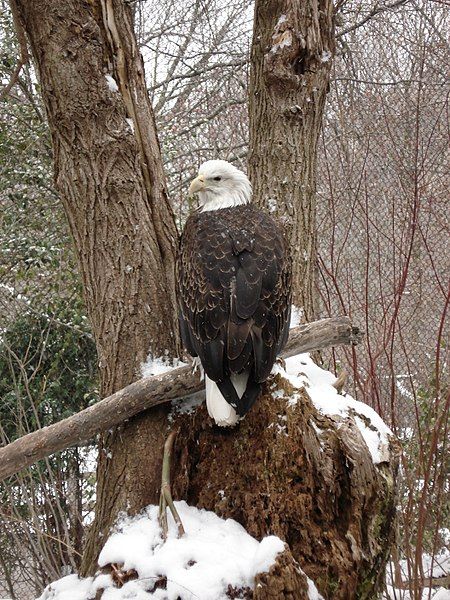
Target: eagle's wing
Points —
{"points": [[234, 278]]}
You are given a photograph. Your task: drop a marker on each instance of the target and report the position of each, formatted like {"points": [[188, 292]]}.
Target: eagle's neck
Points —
{"points": [[228, 199]]}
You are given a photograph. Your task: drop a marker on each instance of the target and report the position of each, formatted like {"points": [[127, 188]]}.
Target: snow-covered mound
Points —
{"points": [[213, 554], [301, 371]]}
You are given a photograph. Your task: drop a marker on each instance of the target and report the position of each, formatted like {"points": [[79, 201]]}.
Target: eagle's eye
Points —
{"points": [[217, 178]]}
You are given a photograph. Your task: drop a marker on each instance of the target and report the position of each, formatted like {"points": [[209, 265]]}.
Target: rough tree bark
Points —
{"points": [[108, 171], [291, 57], [292, 471]]}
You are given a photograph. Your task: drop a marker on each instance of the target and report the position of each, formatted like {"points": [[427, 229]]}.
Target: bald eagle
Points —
{"points": [[234, 290]]}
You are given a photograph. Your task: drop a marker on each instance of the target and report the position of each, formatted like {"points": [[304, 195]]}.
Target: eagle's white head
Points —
{"points": [[219, 184]]}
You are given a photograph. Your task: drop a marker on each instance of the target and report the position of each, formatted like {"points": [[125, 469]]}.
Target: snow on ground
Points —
{"points": [[440, 593], [301, 371], [213, 554]]}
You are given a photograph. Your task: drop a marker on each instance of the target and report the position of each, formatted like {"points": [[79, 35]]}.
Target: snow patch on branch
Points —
{"points": [[213, 554], [159, 365]]}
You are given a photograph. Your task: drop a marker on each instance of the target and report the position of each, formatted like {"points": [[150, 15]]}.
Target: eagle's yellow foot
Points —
{"points": [[165, 499]]}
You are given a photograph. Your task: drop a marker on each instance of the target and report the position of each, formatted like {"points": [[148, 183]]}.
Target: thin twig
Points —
{"points": [[166, 499], [24, 57], [373, 13]]}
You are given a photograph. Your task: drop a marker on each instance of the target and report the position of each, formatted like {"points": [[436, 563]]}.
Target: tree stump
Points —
{"points": [[289, 470]]}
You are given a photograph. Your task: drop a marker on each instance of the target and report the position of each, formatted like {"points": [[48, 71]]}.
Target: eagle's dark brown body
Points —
{"points": [[234, 280]]}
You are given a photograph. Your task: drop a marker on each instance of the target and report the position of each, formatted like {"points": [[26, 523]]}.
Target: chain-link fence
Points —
{"points": [[383, 232], [384, 257]]}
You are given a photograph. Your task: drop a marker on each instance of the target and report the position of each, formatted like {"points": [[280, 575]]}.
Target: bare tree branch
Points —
{"points": [[148, 392], [378, 9], [197, 72], [23, 57]]}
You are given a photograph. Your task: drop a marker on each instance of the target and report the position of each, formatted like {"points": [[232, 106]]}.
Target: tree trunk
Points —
{"points": [[108, 171], [291, 57], [291, 471]]}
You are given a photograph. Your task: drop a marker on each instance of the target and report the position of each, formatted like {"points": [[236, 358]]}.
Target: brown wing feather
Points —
{"points": [[234, 290]]}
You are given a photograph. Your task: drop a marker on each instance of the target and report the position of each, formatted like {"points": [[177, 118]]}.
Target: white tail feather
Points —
{"points": [[218, 408]]}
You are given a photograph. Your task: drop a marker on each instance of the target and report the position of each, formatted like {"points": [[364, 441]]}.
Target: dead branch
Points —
{"points": [[373, 13], [151, 391]]}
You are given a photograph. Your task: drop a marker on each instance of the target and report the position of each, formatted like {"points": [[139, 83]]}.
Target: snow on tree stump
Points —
{"points": [[313, 467]]}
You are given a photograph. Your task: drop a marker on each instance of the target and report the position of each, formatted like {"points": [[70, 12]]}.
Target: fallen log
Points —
{"points": [[141, 395]]}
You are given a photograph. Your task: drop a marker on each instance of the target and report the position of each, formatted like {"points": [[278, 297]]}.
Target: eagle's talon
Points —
{"points": [[197, 366]]}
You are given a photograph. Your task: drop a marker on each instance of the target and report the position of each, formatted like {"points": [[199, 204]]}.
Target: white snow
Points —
{"points": [[437, 566], [68, 588], [159, 365], [285, 41], [313, 593], [112, 84], [301, 371], [213, 554], [427, 594], [296, 316], [281, 20]]}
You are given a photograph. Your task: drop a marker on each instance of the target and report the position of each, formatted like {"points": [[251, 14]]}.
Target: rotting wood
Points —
{"points": [[313, 483], [151, 391]]}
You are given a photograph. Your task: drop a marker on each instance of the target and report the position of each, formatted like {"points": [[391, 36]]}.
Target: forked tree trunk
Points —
{"points": [[108, 171], [292, 51], [317, 486]]}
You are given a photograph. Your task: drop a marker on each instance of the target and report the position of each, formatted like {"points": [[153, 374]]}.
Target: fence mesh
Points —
{"points": [[383, 237]]}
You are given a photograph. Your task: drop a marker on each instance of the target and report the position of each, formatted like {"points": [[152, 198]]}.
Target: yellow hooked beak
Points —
{"points": [[197, 185]]}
